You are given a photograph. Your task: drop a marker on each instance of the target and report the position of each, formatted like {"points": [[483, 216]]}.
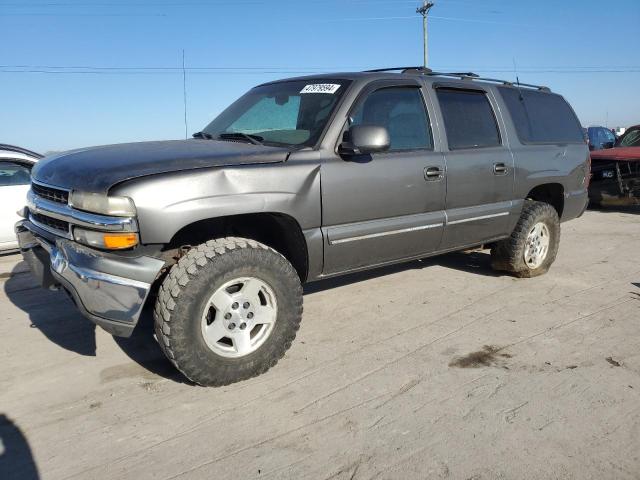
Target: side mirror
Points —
{"points": [[365, 139], [607, 145]]}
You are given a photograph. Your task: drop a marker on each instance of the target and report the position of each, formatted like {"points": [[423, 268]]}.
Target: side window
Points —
{"points": [[468, 119], [401, 110], [12, 174], [609, 136], [541, 117]]}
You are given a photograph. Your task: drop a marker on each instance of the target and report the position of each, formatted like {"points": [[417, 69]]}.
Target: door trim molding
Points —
{"points": [[384, 234], [482, 217]]}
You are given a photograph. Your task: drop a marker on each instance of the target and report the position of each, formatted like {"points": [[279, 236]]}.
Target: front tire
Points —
{"points": [[228, 311], [533, 244]]}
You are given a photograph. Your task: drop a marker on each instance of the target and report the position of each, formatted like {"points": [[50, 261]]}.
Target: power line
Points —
{"points": [[495, 68], [253, 71]]}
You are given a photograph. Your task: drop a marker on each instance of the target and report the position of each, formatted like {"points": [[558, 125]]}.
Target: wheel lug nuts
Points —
{"points": [[227, 316], [250, 315], [232, 326], [243, 326], [245, 305], [235, 305]]}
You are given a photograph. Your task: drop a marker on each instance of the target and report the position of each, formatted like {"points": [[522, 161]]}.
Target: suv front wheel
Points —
{"points": [[533, 244], [228, 311]]}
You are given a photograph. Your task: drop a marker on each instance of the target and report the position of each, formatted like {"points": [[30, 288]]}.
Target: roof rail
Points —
{"points": [[461, 75], [402, 69]]}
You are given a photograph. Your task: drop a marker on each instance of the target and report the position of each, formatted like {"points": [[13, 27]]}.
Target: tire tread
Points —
{"points": [[175, 287]]}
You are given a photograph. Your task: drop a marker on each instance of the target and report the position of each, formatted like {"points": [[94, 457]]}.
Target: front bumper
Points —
{"points": [[614, 183], [110, 290]]}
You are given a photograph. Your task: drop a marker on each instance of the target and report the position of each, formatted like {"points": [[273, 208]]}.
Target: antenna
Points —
{"points": [[184, 96], [515, 70]]}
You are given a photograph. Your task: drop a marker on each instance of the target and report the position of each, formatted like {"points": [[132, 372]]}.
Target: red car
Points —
{"points": [[615, 172]]}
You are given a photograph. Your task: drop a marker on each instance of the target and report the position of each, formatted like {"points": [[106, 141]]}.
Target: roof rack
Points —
{"points": [[24, 151], [460, 75]]}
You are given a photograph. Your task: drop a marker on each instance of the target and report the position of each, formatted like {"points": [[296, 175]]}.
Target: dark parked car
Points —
{"points": [[599, 138], [615, 173], [300, 180]]}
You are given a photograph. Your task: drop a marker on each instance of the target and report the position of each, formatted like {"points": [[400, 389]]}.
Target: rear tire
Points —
{"points": [[533, 244], [228, 311]]}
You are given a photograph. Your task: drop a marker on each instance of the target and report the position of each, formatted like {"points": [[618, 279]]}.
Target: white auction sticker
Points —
{"points": [[321, 88]]}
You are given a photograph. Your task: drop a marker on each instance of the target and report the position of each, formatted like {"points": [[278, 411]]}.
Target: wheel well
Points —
{"points": [[551, 193], [280, 232]]}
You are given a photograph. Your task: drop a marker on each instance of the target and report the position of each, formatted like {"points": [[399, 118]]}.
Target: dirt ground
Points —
{"points": [[433, 369]]}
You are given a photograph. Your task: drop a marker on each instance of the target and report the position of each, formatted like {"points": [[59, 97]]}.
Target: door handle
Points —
{"points": [[499, 169], [433, 173]]}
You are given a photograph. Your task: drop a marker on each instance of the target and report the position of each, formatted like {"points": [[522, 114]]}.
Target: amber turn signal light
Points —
{"points": [[118, 241], [106, 240]]}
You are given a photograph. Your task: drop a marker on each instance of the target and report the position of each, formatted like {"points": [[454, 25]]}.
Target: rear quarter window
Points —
{"points": [[541, 117]]}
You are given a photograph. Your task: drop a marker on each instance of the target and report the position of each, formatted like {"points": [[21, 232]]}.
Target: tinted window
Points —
{"points": [[14, 174], [541, 117], [401, 111], [468, 119]]}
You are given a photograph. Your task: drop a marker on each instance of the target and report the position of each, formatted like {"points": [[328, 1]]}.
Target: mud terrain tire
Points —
{"points": [[186, 292]]}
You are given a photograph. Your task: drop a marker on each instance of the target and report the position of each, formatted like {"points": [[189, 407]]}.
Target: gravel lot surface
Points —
{"points": [[433, 369]]}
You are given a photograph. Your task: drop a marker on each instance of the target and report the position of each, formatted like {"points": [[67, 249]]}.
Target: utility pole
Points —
{"points": [[184, 96], [424, 11]]}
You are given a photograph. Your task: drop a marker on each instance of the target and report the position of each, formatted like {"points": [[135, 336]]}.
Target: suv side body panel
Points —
{"points": [[565, 164], [479, 199], [381, 207]]}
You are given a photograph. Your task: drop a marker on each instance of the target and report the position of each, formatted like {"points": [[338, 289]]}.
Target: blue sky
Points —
{"points": [[584, 49]]}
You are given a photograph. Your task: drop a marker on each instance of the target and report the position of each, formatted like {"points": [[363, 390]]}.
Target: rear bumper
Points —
{"points": [[575, 203], [108, 289]]}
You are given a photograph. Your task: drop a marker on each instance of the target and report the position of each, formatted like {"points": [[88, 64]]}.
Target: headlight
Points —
{"points": [[97, 203], [105, 240]]}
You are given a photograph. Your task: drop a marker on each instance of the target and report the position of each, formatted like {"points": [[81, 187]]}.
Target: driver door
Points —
{"points": [[384, 207]]}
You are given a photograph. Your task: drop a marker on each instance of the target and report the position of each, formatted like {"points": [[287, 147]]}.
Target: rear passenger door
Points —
{"points": [[479, 167]]}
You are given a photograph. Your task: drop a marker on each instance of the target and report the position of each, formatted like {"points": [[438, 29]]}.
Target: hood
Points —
{"points": [[97, 169], [619, 153]]}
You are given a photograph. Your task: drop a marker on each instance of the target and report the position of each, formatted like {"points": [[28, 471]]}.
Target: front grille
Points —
{"points": [[51, 222], [50, 193]]}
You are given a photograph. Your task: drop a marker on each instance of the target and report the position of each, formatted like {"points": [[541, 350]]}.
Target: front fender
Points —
{"points": [[166, 203]]}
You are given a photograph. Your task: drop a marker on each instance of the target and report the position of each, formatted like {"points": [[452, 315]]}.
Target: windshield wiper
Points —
{"points": [[254, 139], [205, 135]]}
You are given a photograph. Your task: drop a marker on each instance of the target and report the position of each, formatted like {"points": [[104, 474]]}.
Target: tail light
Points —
{"points": [[587, 176]]}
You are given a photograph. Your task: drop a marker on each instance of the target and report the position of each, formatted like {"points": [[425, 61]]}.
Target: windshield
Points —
{"points": [[631, 138], [284, 113]]}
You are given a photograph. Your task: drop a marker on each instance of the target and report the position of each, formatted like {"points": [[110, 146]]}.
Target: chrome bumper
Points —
{"points": [[108, 289]]}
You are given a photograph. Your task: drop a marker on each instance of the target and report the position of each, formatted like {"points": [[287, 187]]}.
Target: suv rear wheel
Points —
{"points": [[533, 244], [228, 310]]}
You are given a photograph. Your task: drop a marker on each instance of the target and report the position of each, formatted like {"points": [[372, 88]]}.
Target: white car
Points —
{"points": [[15, 179]]}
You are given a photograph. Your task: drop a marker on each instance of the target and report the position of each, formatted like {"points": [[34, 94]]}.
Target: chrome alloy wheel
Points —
{"points": [[537, 246], [239, 317]]}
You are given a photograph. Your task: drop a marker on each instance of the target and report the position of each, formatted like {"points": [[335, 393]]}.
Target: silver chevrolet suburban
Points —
{"points": [[300, 180]]}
